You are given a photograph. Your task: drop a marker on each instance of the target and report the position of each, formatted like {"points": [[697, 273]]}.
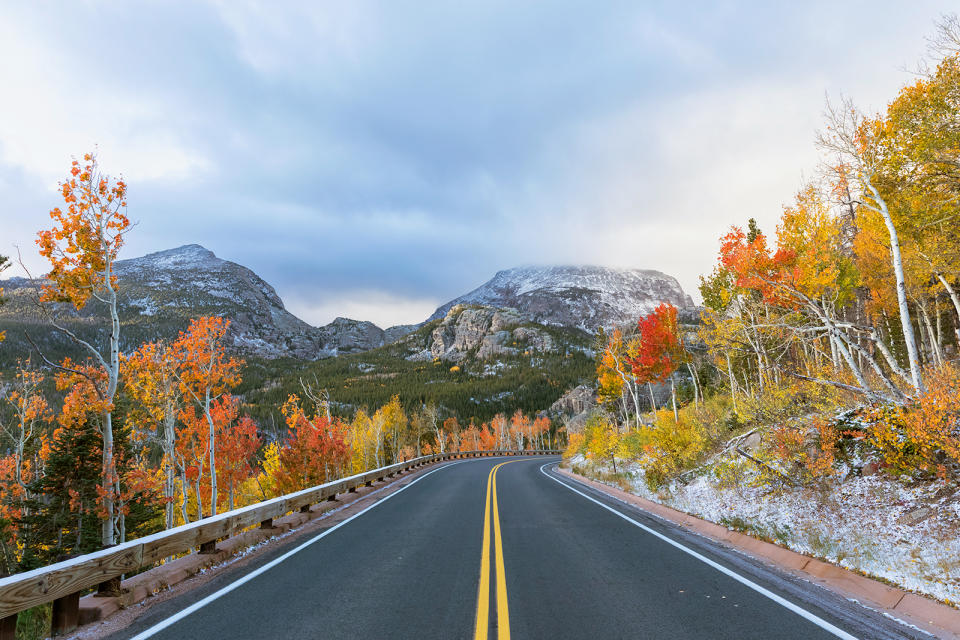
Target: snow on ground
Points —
{"points": [[907, 534]]}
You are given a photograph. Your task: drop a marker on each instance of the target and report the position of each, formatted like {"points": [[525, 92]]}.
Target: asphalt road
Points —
{"points": [[574, 565]]}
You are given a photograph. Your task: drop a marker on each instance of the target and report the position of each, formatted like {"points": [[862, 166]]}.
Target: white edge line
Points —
{"points": [[199, 604], [800, 611]]}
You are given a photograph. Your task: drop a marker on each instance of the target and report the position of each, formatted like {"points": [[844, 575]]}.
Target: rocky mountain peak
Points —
{"points": [[586, 297]]}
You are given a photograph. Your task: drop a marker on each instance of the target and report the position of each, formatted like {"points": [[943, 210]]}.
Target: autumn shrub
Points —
{"points": [[808, 452], [733, 472], [777, 403], [714, 415], [671, 446], [602, 440], [576, 444], [921, 438]]}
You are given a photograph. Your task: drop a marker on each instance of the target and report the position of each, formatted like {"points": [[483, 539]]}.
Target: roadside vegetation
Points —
{"points": [[816, 403], [100, 444]]}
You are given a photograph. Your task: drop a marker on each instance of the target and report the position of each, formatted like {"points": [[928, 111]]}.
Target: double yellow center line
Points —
{"points": [[483, 595]]}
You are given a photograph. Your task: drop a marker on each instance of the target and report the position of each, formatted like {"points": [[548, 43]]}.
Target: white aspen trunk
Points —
{"points": [[954, 299], [107, 538], [895, 393], [635, 392], [107, 532], [211, 445], [696, 385], [934, 348], [169, 453], [184, 487], [196, 489], [624, 406], [907, 325], [733, 382], [631, 385], [653, 402], [885, 352], [939, 317], [835, 334], [673, 399]]}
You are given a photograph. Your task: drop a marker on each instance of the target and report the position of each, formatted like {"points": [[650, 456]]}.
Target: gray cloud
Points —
{"points": [[385, 157]]}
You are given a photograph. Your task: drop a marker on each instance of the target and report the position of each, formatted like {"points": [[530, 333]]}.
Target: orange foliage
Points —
{"points": [[921, 436], [204, 367], [87, 236], [315, 452]]}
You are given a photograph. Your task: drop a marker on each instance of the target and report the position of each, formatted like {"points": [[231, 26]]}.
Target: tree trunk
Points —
{"points": [[196, 489], [935, 354], [673, 399], [653, 402], [184, 499], [954, 298], [107, 538], [696, 385], [169, 461], [897, 259], [211, 446], [733, 382]]}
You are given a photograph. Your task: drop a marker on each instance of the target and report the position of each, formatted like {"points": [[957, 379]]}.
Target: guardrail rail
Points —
{"points": [[64, 582]]}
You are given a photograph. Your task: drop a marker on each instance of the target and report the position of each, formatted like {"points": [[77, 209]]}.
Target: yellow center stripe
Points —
{"points": [[503, 615], [483, 594]]}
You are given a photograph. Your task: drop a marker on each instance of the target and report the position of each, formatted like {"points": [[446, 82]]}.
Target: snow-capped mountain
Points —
{"points": [[160, 292], [584, 297]]}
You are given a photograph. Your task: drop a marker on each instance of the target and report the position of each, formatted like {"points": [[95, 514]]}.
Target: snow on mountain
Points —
{"points": [[584, 297], [160, 292]]}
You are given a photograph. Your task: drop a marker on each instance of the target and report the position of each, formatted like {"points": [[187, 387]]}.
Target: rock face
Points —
{"points": [[576, 296], [160, 292], [578, 400], [344, 335], [484, 333]]}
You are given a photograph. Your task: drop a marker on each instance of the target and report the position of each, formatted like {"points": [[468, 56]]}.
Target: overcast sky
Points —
{"points": [[375, 159]]}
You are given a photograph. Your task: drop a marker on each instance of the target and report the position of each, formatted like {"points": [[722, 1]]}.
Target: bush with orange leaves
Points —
{"points": [[810, 452], [921, 438]]}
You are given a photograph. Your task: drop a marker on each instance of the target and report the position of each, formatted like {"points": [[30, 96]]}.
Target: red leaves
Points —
{"points": [[661, 348], [315, 451], [751, 263]]}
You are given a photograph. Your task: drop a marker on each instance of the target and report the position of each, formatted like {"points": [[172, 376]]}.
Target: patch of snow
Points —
{"points": [[861, 523]]}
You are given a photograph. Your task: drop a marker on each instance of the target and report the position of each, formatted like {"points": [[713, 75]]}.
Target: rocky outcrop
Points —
{"points": [[578, 400], [344, 335], [397, 332], [483, 333], [576, 296]]}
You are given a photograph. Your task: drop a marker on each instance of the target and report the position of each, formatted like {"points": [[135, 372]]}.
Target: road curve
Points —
{"points": [[561, 561]]}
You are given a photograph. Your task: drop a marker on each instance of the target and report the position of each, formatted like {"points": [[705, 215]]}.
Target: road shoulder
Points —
{"points": [[234, 557], [927, 614]]}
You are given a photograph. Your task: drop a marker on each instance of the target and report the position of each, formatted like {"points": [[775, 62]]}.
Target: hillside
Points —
{"points": [[480, 373]]}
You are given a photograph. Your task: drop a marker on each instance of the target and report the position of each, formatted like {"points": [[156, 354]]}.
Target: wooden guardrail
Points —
{"points": [[64, 582]]}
